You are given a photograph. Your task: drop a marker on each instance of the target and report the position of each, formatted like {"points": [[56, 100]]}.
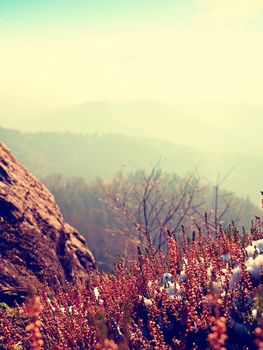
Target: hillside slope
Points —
{"points": [[92, 155]]}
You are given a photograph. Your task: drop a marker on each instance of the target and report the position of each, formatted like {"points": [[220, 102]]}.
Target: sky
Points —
{"points": [[64, 52], [204, 56]]}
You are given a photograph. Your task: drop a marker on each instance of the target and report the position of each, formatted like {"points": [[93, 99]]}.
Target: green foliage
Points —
{"points": [[7, 309]]}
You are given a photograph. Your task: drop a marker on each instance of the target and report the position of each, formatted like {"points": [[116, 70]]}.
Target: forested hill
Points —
{"points": [[92, 155]]}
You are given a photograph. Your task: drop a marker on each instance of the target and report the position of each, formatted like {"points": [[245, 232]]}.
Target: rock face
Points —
{"points": [[35, 242]]}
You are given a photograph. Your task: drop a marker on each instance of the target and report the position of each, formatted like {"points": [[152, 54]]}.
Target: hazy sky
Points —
{"points": [[62, 52]]}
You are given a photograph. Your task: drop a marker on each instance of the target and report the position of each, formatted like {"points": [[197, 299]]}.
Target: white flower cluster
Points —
{"points": [[253, 267], [165, 283], [254, 264], [255, 248], [97, 295]]}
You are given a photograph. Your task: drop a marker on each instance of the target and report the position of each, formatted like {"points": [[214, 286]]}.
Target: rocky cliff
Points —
{"points": [[36, 243]]}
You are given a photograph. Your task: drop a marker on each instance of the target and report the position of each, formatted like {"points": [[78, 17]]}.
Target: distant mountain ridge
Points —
{"points": [[92, 155], [179, 124]]}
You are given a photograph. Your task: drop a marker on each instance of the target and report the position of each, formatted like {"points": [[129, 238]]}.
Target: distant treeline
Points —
{"points": [[92, 155]]}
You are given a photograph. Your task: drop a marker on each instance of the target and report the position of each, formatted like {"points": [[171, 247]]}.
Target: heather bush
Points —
{"points": [[205, 293]]}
